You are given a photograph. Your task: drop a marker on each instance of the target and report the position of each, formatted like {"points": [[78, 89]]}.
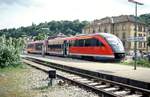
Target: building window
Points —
{"points": [[139, 35], [134, 28], [93, 31], [99, 29], [89, 30], [123, 27], [129, 44], [118, 28], [144, 29], [140, 44], [124, 35], [117, 34], [115, 27], [144, 45], [139, 28], [105, 30]]}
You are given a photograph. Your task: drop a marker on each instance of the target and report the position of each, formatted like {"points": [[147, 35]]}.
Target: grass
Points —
{"points": [[11, 81], [11, 68]]}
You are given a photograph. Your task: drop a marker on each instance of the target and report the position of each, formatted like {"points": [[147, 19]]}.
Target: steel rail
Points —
{"points": [[133, 89]]}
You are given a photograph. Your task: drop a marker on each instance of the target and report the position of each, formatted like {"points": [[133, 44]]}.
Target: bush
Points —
{"points": [[9, 56], [9, 52], [140, 62], [143, 63]]}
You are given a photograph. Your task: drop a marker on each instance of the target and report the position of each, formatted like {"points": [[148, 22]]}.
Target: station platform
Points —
{"points": [[111, 71]]}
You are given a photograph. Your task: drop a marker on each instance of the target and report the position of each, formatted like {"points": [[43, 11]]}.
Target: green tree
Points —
{"points": [[145, 18], [41, 36]]}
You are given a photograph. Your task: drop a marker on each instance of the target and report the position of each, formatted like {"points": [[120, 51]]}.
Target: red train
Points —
{"points": [[98, 46]]}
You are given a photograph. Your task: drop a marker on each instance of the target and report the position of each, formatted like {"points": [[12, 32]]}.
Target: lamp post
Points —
{"points": [[135, 35]]}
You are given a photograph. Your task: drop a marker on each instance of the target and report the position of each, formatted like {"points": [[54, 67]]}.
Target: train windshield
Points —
{"points": [[115, 43]]}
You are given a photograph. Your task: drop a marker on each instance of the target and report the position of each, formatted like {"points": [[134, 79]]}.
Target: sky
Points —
{"points": [[17, 13]]}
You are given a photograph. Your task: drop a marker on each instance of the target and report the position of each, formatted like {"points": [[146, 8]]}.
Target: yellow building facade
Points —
{"points": [[122, 26]]}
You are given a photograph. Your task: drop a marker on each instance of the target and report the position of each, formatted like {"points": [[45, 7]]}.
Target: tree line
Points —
{"points": [[47, 28], [146, 19]]}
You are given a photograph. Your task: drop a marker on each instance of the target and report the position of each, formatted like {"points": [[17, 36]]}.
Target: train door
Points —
{"points": [[65, 48], [44, 48]]}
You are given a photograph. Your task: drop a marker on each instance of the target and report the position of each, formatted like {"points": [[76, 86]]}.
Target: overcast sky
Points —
{"points": [[16, 13]]}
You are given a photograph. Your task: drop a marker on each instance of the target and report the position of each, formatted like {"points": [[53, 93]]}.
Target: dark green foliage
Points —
{"points": [[41, 36], [140, 62], [48, 28], [143, 63], [145, 18]]}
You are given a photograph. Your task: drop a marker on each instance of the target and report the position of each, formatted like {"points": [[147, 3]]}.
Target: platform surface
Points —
{"points": [[125, 71]]}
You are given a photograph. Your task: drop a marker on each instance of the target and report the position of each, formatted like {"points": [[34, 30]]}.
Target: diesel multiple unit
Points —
{"points": [[98, 46]]}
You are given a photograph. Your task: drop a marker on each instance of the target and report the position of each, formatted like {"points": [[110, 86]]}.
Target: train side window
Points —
{"points": [[71, 43], [30, 46], [54, 46], [49, 46], [93, 42], [99, 43], [59, 46], [81, 43], [38, 46], [76, 43], [88, 42]]}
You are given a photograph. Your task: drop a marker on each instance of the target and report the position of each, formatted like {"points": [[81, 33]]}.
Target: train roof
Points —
{"points": [[40, 41], [107, 35], [85, 36]]}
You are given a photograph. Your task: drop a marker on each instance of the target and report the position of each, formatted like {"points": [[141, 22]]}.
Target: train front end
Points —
{"points": [[116, 45]]}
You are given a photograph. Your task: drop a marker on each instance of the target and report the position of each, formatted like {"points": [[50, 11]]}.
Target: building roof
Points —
{"points": [[117, 19]]}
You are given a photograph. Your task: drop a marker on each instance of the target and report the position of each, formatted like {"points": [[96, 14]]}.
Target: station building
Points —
{"points": [[122, 26]]}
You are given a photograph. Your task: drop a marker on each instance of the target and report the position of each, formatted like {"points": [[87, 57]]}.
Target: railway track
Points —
{"points": [[103, 87]]}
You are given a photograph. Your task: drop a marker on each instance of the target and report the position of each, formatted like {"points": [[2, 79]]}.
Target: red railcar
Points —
{"points": [[35, 47], [99, 46]]}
